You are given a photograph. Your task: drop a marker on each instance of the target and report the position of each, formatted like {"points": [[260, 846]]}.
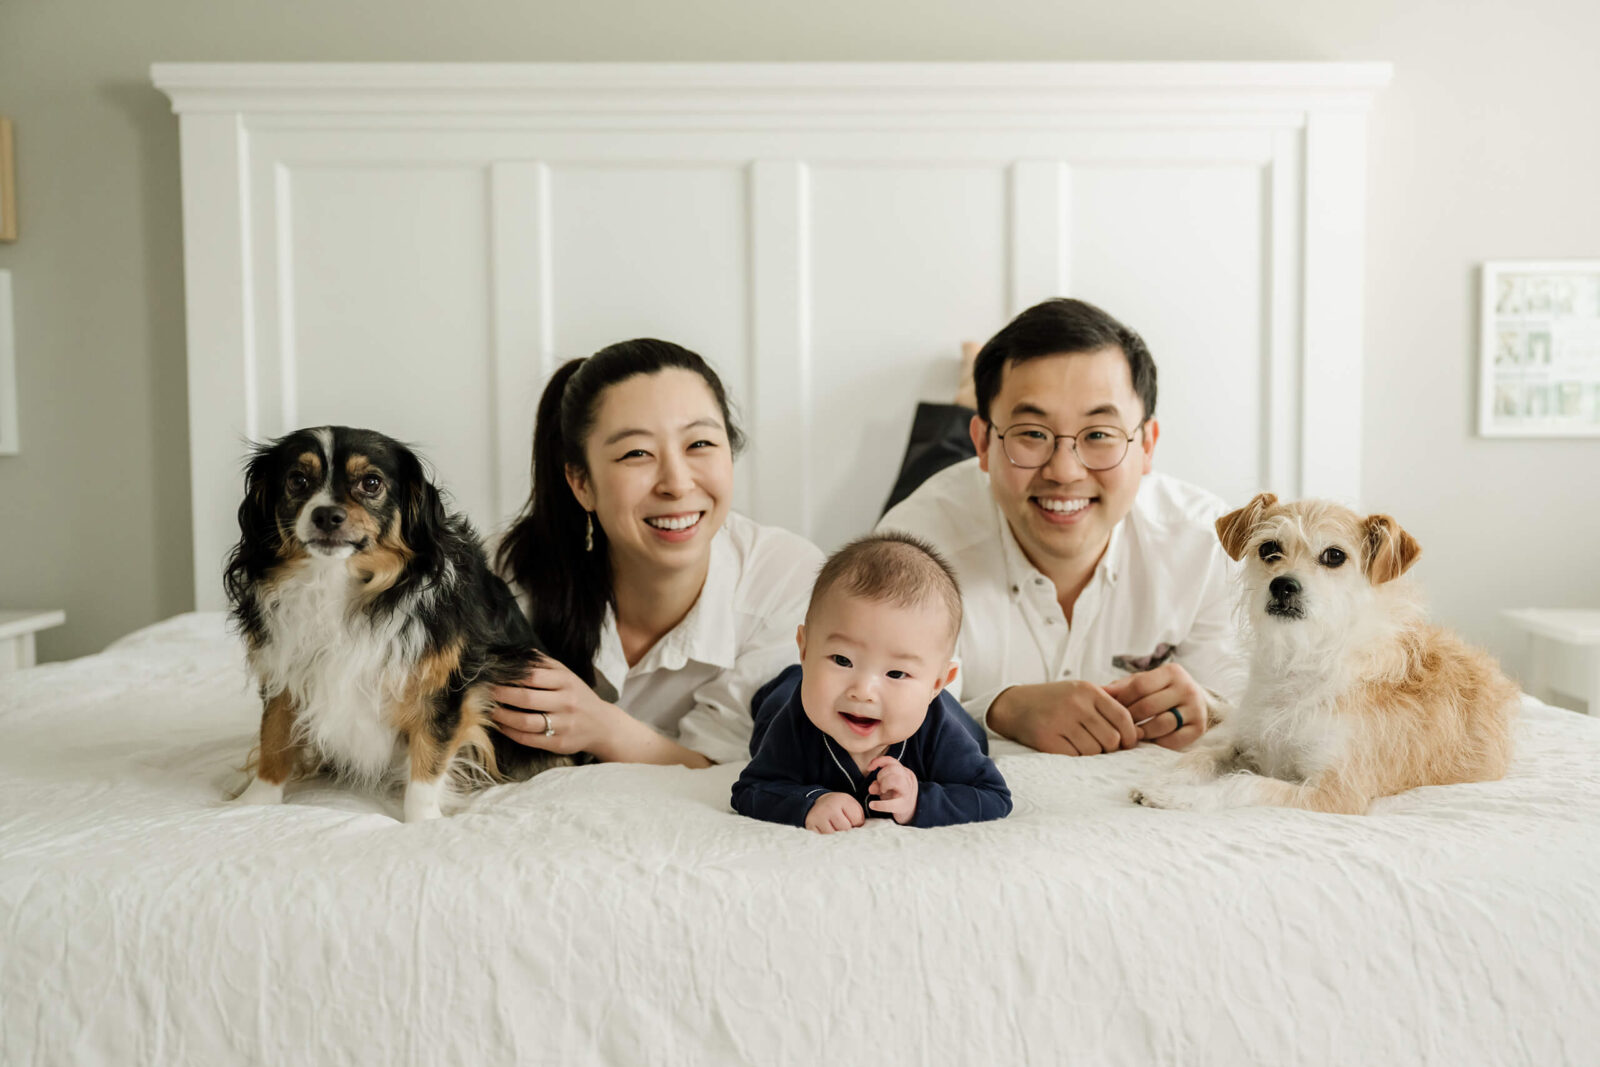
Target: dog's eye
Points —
{"points": [[297, 482], [370, 484], [1270, 550], [1332, 557]]}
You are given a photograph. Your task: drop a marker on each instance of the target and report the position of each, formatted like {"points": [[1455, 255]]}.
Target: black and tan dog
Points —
{"points": [[374, 624]]}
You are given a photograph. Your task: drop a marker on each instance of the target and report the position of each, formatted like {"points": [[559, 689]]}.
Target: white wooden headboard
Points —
{"points": [[414, 248]]}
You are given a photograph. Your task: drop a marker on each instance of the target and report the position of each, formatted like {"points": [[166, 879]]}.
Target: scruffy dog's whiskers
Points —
{"points": [[1352, 694]]}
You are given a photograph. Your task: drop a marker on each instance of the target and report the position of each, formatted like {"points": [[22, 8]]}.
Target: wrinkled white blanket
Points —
{"points": [[624, 914]]}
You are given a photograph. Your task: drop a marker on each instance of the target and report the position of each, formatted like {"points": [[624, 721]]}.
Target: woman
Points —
{"points": [[663, 611]]}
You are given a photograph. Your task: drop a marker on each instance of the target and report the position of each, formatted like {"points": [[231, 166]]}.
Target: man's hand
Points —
{"points": [[1067, 718], [1154, 695], [895, 788], [834, 812]]}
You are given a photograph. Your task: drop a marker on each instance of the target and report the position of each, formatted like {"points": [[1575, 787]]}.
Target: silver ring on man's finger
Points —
{"points": [[1176, 714], [550, 727]]}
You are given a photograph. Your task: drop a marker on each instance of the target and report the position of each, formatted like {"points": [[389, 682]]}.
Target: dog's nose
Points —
{"points": [[329, 519], [1284, 588]]}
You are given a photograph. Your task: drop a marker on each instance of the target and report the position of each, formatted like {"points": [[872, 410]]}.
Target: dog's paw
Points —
{"points": [[422, 802], [259, 792], [1165, 795]]}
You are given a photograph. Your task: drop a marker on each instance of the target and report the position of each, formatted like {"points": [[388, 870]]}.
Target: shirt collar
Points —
{"points": [[706, 635], [846, 763], [1019, 569]]}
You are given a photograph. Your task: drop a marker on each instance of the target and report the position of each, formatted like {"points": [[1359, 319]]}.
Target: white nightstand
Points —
{"points": [[16, 636], [1563, 652]]}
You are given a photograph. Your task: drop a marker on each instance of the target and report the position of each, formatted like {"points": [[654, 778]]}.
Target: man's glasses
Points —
{"points": [[1098, 448]]}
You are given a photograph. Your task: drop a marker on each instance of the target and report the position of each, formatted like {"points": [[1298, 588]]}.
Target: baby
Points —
{"points": [[863, 726]]}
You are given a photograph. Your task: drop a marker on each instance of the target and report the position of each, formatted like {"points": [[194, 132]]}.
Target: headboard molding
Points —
{"points": [[415, 247]]}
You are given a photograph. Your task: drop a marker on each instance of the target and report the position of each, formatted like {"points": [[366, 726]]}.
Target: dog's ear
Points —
{"points": [[1234, 528], [259, 537], [422, 511], [256, 510], [1389, 550]]}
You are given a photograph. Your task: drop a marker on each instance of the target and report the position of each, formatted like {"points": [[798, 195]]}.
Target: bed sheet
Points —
{"points": [[624, 914]]}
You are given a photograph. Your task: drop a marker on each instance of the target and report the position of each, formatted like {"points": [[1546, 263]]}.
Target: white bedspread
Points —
{"points": [[626, 915]]}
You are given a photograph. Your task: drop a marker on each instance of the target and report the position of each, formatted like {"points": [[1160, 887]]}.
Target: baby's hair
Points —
{"points": [[895, 568]]}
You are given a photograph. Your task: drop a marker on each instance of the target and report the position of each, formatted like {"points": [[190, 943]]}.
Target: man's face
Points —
{"points": [[1061, 513]]}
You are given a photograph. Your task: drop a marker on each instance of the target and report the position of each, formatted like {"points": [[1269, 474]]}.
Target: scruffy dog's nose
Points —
{"points": [[330, 519], [1284, 588]]}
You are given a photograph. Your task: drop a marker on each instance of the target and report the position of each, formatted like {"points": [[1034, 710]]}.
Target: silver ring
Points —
{"points": [[549, 727]]}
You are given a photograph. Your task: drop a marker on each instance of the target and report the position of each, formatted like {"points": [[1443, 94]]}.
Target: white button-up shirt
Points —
{"points": [[696, 682], [1163, 580]]}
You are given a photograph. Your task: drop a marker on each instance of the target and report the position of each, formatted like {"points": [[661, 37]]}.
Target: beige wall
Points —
{"points": [[1483, 148]]}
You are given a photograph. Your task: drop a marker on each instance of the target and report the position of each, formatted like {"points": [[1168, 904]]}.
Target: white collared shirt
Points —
{"points": [[696, 682], [1163, 579]]}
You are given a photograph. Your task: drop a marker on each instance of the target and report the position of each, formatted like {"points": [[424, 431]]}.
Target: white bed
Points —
{"points": [[625, 915]]}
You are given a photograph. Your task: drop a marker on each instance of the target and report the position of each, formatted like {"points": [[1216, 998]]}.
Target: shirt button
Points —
{"points": [[1066, 674], [1049, 622], [1015, 590], [1038, 581]]}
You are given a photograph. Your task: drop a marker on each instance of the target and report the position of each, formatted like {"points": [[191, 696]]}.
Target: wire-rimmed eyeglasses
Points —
{"points": [[1098, 448]]}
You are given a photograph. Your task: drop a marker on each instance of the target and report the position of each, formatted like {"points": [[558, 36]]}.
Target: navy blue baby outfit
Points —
{"points": [[795, 763]]}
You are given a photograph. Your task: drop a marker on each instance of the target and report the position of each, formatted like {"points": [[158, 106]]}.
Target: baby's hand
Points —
{"points": [[896, 789], [833, 812]]}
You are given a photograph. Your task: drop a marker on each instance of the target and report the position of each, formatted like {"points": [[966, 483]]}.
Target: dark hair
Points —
{"points": [[569, 588], [1061, 326], [894, 568]]}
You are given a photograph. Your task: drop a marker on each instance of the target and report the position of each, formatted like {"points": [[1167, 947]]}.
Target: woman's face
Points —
{"points": [[660, 476]]}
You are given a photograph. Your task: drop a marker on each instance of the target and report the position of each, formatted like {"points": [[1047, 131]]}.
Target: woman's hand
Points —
{"points": [[552, 710]]}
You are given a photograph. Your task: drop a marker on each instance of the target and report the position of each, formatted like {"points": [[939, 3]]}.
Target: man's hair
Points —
{"points": [[1057, 327], [894, 568]]}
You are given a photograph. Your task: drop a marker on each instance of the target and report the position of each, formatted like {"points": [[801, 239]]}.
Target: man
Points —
{"points": [[1099, 602]]}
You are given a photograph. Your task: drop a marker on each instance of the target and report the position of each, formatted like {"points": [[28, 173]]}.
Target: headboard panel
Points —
{"points": [[415, 247]]}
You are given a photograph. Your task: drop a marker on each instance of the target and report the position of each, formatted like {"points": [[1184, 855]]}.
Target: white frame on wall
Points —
{"points": [[1511, 335]]}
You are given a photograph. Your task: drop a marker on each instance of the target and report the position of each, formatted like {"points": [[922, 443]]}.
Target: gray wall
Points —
{"points": [[1483, 148]]}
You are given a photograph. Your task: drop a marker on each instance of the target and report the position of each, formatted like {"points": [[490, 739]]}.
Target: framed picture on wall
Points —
{"points": [[1539, 349], [8, 183]]}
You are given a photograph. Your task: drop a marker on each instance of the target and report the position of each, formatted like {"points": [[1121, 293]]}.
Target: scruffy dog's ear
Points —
{"points": [[1389, 551], [1234, 528], [422, 513]]}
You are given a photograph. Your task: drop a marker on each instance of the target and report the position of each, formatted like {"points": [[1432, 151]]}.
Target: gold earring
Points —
{"points": [[588, 531]]}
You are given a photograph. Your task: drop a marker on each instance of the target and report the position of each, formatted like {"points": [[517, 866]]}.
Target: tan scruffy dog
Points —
{"points": [[1352, 694]]}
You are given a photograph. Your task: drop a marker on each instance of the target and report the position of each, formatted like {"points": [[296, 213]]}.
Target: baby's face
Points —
{"points": [[872, 669]]}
